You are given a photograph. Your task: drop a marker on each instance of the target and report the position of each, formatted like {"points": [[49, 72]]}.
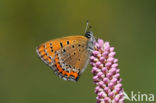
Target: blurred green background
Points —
{"points": [[129, 26]]}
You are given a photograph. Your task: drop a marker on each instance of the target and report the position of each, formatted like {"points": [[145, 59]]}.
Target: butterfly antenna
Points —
{"points": [[86, 26]]}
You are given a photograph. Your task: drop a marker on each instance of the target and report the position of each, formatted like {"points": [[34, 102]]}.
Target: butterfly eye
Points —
{"points": [[88, 34]]}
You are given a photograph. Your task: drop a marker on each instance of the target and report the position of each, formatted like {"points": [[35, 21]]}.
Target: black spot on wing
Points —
{"points": [[67, 42], [61, 45], [73, 46]]}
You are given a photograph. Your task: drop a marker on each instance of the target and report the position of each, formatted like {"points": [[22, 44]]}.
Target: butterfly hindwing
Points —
{"points": [[66, 56]]}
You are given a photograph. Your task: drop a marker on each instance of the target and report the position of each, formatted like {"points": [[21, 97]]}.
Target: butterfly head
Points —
{"points": [[91, 38], [90, 35]]}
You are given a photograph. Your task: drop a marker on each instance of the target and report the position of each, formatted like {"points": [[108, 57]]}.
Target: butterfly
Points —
{"points": [[68, 56]]}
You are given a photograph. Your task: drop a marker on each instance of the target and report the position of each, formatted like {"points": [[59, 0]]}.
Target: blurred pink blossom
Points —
{"points": [[106, 74]]}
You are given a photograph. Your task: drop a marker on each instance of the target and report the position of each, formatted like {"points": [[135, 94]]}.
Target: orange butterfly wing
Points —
{"points": [[47, 52]]}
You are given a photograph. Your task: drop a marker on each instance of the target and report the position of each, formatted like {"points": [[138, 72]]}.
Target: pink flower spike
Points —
{"points": [[106, 74]]}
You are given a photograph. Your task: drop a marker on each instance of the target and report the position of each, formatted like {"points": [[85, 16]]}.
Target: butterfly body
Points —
{"points": [[67, 56]]}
